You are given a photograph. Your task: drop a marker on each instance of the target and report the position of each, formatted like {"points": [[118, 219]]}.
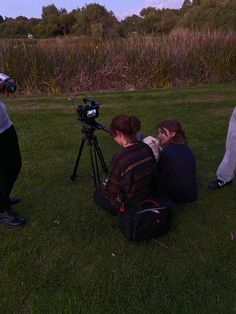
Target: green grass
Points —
{"points": [[72, 258]]}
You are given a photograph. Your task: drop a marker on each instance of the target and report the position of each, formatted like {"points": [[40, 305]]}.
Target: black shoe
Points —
{"points": [[218, 184], [14, 200], [10, 218]]}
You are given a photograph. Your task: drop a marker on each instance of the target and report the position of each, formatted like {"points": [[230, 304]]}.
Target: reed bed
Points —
{"points": [[74, 64]]}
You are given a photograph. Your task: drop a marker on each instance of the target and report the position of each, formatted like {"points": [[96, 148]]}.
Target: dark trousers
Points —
{"points": [[10, 165], [103, 202]]}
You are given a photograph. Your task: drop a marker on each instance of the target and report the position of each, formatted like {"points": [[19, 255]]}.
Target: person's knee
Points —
{"points": [[97, 196], [105, 203]]}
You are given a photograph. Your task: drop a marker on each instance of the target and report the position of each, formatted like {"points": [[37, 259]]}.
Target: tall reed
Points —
{"points": [[74, 64]]}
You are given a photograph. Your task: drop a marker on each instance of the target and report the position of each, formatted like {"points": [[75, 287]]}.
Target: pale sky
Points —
{"points": [[121, 8]]}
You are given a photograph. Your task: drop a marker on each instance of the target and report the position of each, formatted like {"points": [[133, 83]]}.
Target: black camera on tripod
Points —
{"points": [[89, 111], [87, 114]]}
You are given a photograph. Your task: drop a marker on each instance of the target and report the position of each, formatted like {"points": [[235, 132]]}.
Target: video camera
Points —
{"points": [[10, 86], [89, 111], [7, 83]]}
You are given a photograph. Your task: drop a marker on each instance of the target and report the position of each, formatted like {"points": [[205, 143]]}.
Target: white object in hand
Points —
{"points": [[154, 143]]}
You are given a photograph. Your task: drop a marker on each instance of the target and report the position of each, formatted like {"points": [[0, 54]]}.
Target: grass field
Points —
{"points": [[71, 257]]}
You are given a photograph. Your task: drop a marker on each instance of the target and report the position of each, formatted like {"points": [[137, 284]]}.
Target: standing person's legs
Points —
{"points": [[4, 197], [12, 155], [227, 167], [8, 176]]}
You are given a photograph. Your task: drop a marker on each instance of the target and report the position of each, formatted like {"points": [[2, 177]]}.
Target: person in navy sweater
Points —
{"points": [[176, 166]]}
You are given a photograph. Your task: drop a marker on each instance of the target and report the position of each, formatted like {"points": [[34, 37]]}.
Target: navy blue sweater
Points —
{"points": [[177, 173]]}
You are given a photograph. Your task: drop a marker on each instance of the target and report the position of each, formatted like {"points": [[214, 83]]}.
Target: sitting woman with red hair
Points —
{"points": [[132, 176]]}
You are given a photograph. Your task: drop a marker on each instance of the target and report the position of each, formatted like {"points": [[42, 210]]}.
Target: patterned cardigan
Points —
{"points": [[132, 177]]}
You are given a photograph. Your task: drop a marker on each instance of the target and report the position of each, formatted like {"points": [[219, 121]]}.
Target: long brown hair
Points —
{"points": [[173, 126], [128, 125]]}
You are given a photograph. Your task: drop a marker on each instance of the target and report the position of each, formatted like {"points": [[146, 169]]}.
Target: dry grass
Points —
{"points": [[81, 64]]}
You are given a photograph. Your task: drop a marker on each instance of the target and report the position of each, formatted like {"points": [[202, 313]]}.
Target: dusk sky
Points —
{"points": [[121, 8]]}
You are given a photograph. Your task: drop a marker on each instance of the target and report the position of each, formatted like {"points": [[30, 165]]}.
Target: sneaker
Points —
{"points": [[11, 218], [218, 184], [14, 200]]}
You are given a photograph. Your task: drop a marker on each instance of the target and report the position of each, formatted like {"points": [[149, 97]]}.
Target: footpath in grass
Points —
{"points": [[72, 258]]}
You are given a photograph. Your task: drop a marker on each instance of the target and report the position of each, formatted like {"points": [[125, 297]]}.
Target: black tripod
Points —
{"points": [[94, 151]]}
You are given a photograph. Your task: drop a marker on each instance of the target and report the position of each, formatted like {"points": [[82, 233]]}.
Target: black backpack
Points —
{"points": [[149, 219]]}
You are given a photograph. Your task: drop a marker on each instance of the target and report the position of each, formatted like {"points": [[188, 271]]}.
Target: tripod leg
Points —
{"points": [[96, 161], [99, 152], [92, 162], [72, 177]]}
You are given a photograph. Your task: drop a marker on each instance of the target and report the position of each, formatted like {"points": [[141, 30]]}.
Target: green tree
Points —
{"points": [[157, 21], [148, 11], [54, 22], [95, 20], [2, 30], [21, 18], [62, 11], [212, 14], [168, 21], [14, 28], [131, 24], [66, 23], [151, 20], [49, 11], [186, 4], [41, 30], [196, 2]]}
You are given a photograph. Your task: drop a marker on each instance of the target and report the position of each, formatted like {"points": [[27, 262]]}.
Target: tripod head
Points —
{"points": [[89, 128]]}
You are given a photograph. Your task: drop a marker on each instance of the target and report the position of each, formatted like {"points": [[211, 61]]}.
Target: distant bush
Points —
{"points": [[73, 64]]}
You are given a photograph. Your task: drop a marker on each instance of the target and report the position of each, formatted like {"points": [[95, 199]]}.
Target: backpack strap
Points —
{"points": [[150, 201], [122, 207]]}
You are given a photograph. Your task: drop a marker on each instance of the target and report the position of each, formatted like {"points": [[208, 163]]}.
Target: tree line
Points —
{"points": [[95, 20]]}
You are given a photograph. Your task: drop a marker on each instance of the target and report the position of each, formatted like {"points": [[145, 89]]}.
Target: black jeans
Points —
{"points": [[10, 165], [111, 206]]}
